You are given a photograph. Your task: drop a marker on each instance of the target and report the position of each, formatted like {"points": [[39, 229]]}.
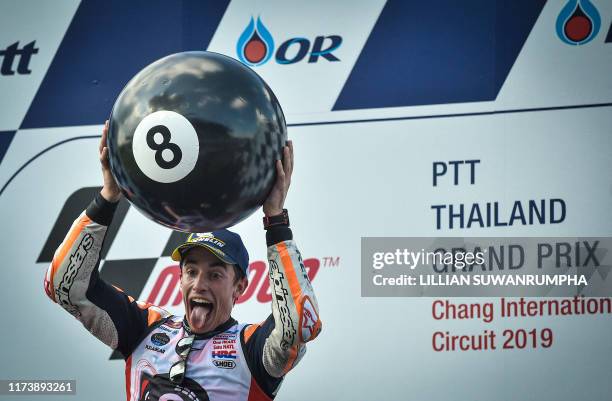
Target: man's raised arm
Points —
{"points": [[275, 346], [72, 280]]}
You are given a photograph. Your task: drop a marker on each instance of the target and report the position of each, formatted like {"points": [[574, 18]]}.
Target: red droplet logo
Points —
{"points": [[255, 45], [255, 49], [578, 22]]}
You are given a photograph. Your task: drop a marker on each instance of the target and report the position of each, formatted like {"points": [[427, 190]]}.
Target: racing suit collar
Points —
{"points": [[209, 334]]}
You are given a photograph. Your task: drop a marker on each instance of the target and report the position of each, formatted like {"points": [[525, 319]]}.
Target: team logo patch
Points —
{"points": [[309, 321], [224, 354], [160, 339]]}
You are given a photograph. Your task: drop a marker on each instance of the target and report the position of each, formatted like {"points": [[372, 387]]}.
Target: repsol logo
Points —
{"points": [[256, 46], [16, 60]]}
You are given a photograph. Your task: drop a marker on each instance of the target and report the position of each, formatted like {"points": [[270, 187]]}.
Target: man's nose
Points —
{"points": [[201, 283]]}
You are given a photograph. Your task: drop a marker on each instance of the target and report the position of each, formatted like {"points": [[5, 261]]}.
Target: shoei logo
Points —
{"points": [[256, 47], [224, 364], [578, 22]]}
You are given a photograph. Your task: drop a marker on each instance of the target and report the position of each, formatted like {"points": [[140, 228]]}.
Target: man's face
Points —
{"points": [[210, 289]]}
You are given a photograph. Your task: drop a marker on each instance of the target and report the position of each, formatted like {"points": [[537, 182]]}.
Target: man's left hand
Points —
{"points": [[276, 199]]}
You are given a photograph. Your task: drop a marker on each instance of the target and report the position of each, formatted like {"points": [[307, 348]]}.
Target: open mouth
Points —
{"points": [[201, 303], [200, 310]]}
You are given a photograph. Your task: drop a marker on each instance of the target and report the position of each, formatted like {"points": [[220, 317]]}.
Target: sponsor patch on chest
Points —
{"points": [[157, 341], [224, 353]]}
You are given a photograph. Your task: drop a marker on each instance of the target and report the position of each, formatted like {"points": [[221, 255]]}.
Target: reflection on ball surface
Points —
{"points": [[193, 140]]}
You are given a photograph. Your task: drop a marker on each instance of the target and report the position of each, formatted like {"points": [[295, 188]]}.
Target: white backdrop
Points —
{"points": [[547, 134]]}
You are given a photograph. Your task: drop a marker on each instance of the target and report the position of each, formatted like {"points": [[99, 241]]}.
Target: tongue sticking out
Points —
{"points": [[198, 317]]}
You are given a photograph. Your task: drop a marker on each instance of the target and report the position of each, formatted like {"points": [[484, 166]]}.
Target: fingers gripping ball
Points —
{"points": [[193, 140]]}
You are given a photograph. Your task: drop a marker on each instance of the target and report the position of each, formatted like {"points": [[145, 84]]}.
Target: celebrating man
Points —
{"points": [[206, 354]]}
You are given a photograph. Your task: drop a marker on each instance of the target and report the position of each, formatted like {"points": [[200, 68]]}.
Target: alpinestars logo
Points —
{"points": [[76, 260]]}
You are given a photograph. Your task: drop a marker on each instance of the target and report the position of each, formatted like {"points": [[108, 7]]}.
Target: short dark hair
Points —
{"points": [[238, 274]]}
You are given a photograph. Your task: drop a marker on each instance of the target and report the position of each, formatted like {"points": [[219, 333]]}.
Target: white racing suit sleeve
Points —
{"points": [[276, 345], [294, 308], [72, 281]]}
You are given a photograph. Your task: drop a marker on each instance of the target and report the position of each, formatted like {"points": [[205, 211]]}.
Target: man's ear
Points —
{"points": [[241, 286]]}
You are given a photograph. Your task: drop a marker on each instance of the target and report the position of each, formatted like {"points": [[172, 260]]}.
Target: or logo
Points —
{"points": [[224, 364], [578, 22], [25, 54], [255, 47], [160, 339]]}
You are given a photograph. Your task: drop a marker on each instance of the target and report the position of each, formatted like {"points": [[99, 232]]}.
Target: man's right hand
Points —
{"points": [[110, 191]]}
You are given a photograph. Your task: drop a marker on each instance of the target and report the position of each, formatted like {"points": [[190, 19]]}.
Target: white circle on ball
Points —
{"points": [[170, 158], [158, 138], [167, 155]]}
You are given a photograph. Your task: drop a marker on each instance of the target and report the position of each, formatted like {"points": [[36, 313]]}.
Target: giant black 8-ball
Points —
{"points": [[193, 139]]}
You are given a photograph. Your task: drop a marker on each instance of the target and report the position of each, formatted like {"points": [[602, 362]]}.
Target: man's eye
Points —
{"points": [[216, 275]]}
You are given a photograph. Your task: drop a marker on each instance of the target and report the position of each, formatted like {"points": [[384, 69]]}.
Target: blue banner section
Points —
{"points": [[6, 137], [437, 52], [106, 44]]}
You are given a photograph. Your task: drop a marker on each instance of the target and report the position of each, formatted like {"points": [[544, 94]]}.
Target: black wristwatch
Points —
{"points": [[277, 220]]}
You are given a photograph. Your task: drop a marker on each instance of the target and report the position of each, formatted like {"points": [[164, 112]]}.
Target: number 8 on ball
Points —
{"points": [[165, 146]]}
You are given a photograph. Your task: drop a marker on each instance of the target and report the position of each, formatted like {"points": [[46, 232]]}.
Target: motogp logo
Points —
{"points": [[256, 47]]}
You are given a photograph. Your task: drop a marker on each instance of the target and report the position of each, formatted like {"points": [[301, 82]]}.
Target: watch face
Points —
{"points": [[160, 388]]}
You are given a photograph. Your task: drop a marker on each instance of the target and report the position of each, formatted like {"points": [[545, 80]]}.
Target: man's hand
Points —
{"points": [[110, 190], [275, 201]]}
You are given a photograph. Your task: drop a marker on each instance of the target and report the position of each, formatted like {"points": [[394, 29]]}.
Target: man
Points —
{"points": [[205, 355]]}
